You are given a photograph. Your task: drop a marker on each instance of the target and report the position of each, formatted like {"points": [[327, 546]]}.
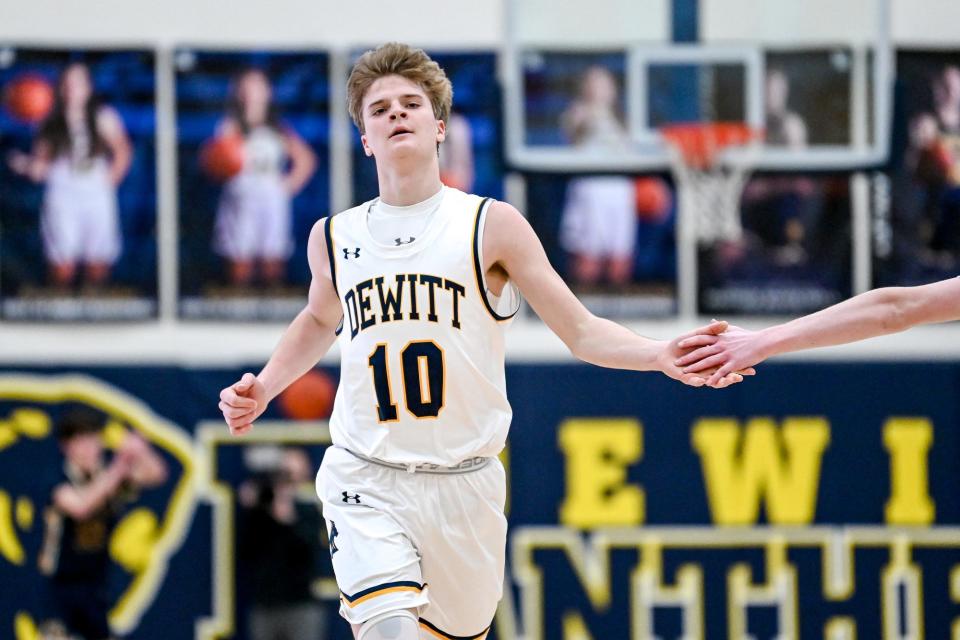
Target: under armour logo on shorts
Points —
{"points": [[347, 252], [333, 537], [347, 498]]}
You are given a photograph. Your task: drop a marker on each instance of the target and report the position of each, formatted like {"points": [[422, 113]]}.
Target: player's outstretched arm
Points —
{"points": [[510, 243], [874, 313], [305, 341]]}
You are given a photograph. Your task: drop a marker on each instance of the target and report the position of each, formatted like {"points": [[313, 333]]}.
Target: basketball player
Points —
{"points": [[85, 502], [874, 313], [935, 156], [779, 211], [82, 153], [420, 285], [253, 224], [599, 223]]}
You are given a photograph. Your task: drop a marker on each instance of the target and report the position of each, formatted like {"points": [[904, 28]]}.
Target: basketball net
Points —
{"points": [[710, 190]]}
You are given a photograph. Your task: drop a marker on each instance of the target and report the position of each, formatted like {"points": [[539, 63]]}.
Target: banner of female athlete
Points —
{"points": [[78, 205], [813, 498], [253, 135]]}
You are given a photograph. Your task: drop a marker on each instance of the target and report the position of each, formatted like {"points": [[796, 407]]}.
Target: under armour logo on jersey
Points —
{"points": [[401, 242], [347, 498], [347, 252]]}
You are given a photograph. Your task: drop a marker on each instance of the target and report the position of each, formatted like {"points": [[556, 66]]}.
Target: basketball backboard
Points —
{"points": [[815, 75]]}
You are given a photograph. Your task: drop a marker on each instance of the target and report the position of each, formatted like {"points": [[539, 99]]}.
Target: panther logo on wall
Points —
{"points": [[150, 527]]}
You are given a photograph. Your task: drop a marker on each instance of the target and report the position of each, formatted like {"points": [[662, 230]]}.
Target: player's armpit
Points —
{"points": [[510, 242]]}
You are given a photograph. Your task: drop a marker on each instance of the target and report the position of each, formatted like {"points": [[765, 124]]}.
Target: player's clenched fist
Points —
{"points": [[242, 402]]}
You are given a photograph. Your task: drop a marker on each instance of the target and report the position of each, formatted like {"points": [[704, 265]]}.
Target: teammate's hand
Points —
{"points": [[696, 340], [733, 350], [242, 403]]}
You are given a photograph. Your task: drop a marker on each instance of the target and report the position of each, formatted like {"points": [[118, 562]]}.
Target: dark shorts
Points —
{"points": [[81, 607]]}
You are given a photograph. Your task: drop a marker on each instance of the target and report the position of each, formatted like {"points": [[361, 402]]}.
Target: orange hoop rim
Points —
{"points": [[699, 143]]}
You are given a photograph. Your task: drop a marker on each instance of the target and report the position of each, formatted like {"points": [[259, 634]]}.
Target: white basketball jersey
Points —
{"points": [[422, 341], [264, 152]]}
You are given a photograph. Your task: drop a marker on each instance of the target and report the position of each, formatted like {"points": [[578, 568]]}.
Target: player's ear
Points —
{"points": [[366, 148], [441, 131]]}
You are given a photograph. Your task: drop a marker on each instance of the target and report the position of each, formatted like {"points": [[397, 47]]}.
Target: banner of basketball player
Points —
{"points": [[78, 169], [812, 501], [916, 199], [253, 133]]}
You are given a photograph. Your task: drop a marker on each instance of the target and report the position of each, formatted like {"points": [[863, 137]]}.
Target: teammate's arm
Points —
{"points": [[305, 341], [874, 313], [509, 243]]}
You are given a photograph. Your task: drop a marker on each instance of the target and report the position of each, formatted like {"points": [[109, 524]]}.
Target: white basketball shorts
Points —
{"points": [[254, 220], [599, 219], [79, 221], [430, 542]]}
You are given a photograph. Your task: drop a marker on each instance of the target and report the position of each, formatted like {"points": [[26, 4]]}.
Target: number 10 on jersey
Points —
{"points": [[421, 365]]}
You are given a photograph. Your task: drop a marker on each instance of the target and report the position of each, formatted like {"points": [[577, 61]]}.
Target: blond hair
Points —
{"points": [[402, 60]]}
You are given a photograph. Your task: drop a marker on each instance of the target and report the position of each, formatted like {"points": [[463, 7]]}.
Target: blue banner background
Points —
{"points": [[854, 487]]}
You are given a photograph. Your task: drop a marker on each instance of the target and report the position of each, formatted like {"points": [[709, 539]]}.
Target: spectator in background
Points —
{"points": [[777, 210], [85, 504], [253, 226], [456, 154], [82, 153], [280, 544], [599, 224], [933, 159]]}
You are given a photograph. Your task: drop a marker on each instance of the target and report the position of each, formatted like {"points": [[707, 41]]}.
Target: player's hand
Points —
{"points": [[242, 403], [733, 350], [122, 465], [700, 338], [247, 494], [133, 445], [19, 163], [28, 166]]}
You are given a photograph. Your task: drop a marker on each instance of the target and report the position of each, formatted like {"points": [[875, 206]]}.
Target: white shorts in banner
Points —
{"points": [[599, 218], [79, 222], [434, 543], [254, 220]]}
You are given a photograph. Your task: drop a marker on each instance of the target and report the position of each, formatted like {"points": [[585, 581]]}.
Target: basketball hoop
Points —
{"points": [[709, 188]]}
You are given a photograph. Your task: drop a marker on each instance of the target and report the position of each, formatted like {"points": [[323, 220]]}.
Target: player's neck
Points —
{"points": [[255, 117], [76, 109], [401, 188]]}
